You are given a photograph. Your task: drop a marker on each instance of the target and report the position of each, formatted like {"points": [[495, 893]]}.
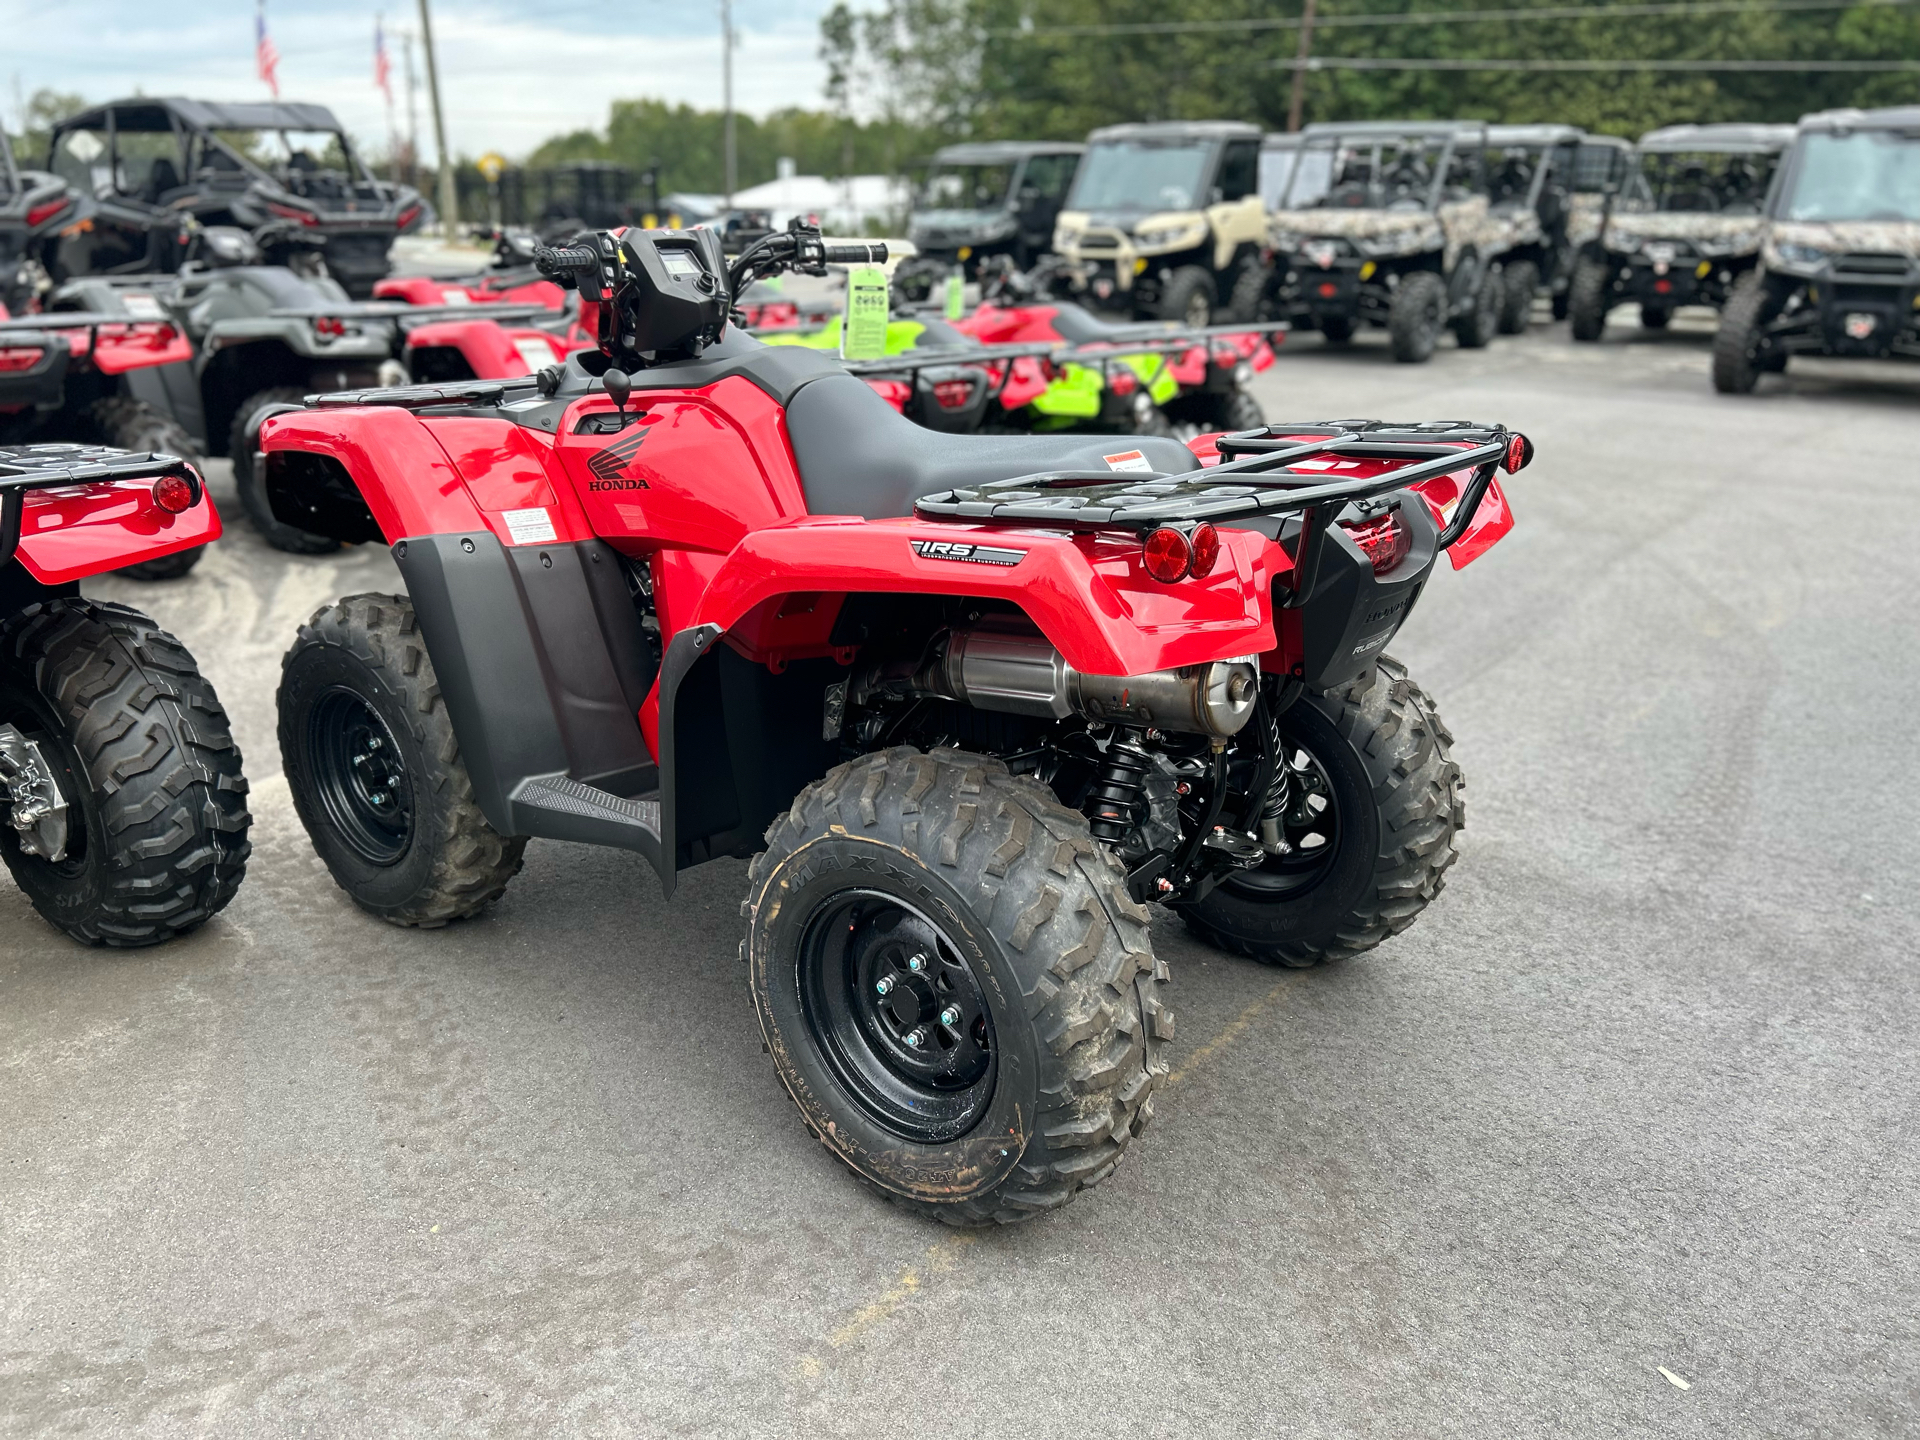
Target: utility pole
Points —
{"points": [[449, 196], [1299, 65], [726, 85]]}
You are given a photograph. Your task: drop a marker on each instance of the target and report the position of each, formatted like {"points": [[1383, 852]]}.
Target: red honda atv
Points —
{"points": [[122, 810], [968, 702], [68, 377]]}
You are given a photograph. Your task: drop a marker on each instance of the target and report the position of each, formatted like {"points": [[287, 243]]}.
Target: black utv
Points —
{"points": [[1684, 227], [983, 201], [32, 203], [151, 171], [1839, 271]]}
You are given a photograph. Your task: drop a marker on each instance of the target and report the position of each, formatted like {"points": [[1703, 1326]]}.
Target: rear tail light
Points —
{"points": [[48, 210], [1168, 555], [329, 325], [1123, 382], [289, 212], [19, 359], [1519, 454], [406, 217], [1385, 540], [1205, 542], [172, 494], [953, 394]]}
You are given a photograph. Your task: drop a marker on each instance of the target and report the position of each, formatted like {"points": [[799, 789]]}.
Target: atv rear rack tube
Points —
{"points": [[18, 476]]}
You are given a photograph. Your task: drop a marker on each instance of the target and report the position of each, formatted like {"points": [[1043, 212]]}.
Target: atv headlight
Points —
{"points": [[1172, 237], [1802, 257]]}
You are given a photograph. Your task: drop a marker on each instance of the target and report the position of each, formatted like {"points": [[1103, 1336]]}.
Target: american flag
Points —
{"points": [[382, 70], [265, 57]]}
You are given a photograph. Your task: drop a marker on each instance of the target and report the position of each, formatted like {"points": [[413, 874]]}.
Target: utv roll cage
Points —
{"points": [[1902, 118], [1646, 183], [1454, 138], [1547, 141]]}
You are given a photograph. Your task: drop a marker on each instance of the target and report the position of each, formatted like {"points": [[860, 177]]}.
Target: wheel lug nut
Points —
{"points": [[917, 962], [915, 1038], [950, 1015], [884, 984]]}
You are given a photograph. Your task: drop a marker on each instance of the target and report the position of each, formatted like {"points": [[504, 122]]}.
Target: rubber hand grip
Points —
{"points": [[565, 260], [856, 254]]}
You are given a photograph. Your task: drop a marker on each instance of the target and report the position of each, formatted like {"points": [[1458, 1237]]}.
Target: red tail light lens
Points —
{"points": [[328, 325], [1168, 555], [1205, 541], [48, 210], [1385, 540], [19, 359], [1123, 382], [953, 394], [1519, 454], [289, 212], [406, 217], [172, 494]]}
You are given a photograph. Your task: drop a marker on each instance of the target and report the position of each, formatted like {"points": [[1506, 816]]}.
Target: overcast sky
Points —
{"points": [[511, 73]]}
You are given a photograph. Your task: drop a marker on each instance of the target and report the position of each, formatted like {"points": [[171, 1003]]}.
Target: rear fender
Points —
{"points": [[1090, 595], [81, 530], [401, 474], [489, 348]]}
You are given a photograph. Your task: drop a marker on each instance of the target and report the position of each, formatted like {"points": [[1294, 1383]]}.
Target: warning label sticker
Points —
{"points": [[1128, 460], [529, 527]]}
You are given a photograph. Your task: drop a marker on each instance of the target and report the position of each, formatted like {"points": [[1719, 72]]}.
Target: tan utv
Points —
{"points": [[1839, 269], [1388, 223], [1683, 228], [1164, 222]]}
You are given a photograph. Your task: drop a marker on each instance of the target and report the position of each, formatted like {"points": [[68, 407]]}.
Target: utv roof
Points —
{"points": [[992, 152], [1534, 134], [214, 114], [1392, 127], [1178, 130], [1725, 139], [1899, 117]]}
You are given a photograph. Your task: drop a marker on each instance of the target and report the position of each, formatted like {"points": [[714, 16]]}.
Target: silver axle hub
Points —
{"points": [[35, 806]]}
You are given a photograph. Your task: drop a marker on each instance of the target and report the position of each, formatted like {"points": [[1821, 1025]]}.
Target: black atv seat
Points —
{"points": [[859, 456], [1080, 326]]}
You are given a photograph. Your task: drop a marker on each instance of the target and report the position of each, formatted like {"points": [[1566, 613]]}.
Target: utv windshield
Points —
{"points": [[968, 187], [1867, 175], [1702, 181], [1142, 175], [1387, 173]]}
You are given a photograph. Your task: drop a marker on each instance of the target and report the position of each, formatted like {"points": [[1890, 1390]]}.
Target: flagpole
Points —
{"points": [[449, 196]]}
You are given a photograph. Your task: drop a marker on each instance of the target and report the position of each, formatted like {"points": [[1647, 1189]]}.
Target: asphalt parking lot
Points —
{"points": [[1636, 1093]]}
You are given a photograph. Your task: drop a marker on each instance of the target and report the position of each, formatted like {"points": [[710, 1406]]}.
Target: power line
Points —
{"points": [[1375, 62], [1443, 17]]}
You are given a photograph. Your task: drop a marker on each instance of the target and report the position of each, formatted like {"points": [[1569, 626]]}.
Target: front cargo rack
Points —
{"points": [[1258, 477], [51, 466]]}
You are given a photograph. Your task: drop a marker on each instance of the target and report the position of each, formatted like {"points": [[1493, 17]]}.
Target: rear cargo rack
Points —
{"points": [[47, 467], [1258, 478], [423, 397]]}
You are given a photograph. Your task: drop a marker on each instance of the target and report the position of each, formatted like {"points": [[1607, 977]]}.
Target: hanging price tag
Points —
{"points": [[956, 296], [865, 334]]}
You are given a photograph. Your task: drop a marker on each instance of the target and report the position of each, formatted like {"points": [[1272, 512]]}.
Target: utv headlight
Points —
{"points": [[1803, 257], [1624, 241], [1172, 237], [1285, 242], [1065, 237], [1729, 244]]}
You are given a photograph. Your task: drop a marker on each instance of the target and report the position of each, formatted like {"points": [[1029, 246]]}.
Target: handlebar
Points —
{"points": [[855, 254], [565, 262]]}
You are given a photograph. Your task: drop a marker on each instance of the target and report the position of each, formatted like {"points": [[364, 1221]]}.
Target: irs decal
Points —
{"points": [[972, 554]]}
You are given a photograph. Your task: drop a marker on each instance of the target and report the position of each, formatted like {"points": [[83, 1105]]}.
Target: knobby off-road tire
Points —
{"points": [[1475, 329], [1417, 317], [359, 672], [1519, 281], [1040, 918], [156, 802], [252, 484], [1588, 301], [1737, 362], [1248, 293], [1384, 756], [1188, 297], [135, 425]]}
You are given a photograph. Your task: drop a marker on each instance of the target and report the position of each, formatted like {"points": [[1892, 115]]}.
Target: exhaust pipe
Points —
{"points": [[1019, 671]]}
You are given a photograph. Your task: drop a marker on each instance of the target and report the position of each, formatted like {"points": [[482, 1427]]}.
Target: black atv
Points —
{"points": [[32, 203], [150, 170]]}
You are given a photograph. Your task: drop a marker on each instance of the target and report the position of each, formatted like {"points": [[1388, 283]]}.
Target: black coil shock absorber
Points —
{"points": [[1117, 788], [1279, 788]]}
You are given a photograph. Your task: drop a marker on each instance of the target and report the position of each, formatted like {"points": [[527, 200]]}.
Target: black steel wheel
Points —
{"points": [[899, 1014], [359, 776], [1374, 805], [954, 985], [375, 768]]}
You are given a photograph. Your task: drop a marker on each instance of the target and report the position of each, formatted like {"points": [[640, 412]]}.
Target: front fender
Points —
{"points": [[1089, 595], [404, 476]]}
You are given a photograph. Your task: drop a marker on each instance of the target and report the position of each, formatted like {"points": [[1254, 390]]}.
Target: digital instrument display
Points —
{"points": [[679, 262]]}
